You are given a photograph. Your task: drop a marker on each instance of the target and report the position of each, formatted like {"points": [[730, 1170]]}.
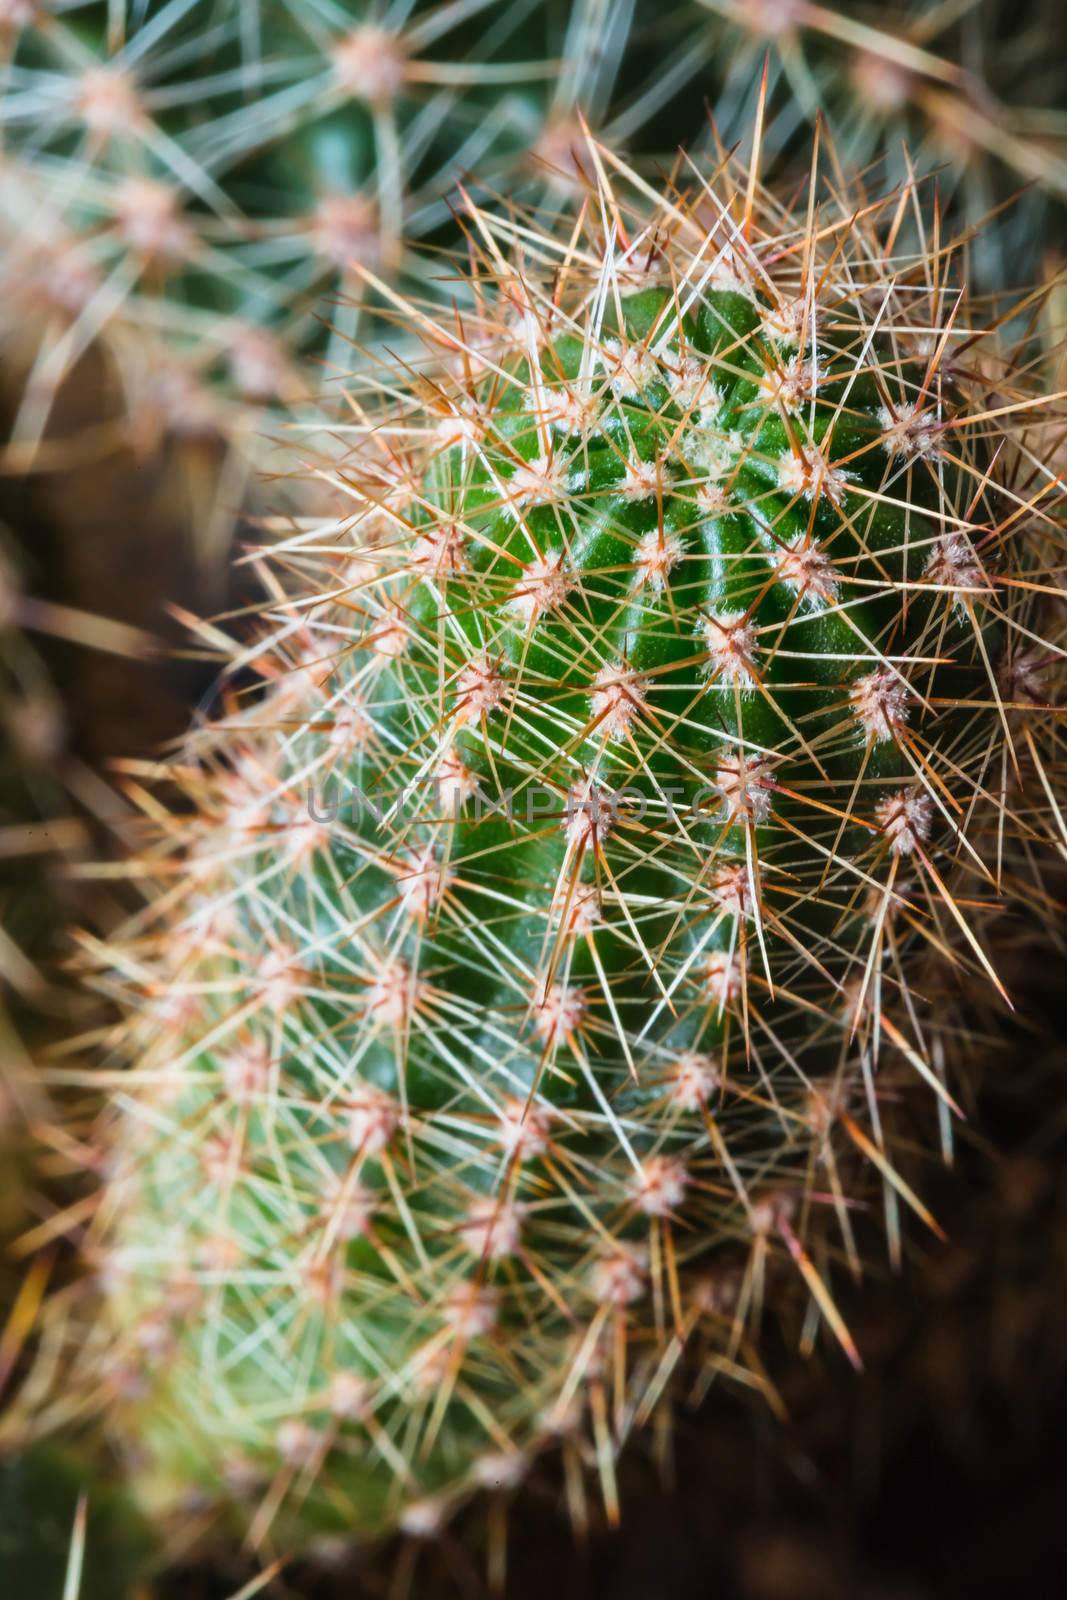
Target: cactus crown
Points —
{"points": [[537, 960]]}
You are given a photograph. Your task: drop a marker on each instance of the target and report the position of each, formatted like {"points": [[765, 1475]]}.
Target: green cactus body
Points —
{"points": [[451, 1127]]}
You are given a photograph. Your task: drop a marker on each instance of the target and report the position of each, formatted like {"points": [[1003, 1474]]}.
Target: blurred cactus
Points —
{"points": [[219, 180], [975, 92]]}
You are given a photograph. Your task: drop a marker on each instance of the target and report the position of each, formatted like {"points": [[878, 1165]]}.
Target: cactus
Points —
{"points": [[532, 969], [970, 93], [222, 184]]}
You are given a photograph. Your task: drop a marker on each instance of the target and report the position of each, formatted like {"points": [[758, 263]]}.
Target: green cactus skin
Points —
{"points": [[448, 1134]]}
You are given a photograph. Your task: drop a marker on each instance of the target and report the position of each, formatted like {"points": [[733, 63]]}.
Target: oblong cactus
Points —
{"points": [[536, 964]]}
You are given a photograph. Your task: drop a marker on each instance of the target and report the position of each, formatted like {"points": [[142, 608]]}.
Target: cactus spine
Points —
{"points": [[529, 983]]}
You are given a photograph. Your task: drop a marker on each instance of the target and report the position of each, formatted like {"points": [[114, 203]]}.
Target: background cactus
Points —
{"points": [[971, 93], [451, 1133], [213, 181]]}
